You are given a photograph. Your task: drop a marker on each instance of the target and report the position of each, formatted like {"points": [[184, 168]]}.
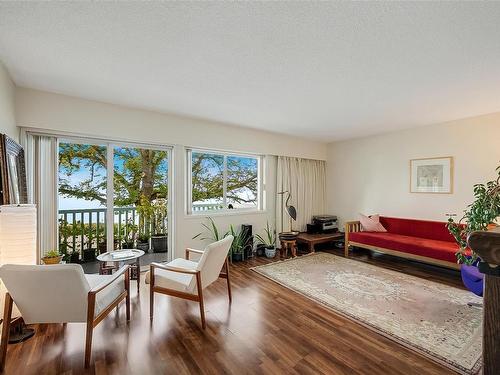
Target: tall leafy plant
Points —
{"points": [[479, 214], [240, 242], [269, 238], [211, 233]]}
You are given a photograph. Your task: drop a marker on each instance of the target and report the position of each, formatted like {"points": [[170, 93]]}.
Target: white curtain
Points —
{"points": [[305, 179], [41, 171]]}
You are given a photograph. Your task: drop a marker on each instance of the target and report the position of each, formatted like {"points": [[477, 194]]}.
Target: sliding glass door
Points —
{"points": [[125, 185], [140, 198]]}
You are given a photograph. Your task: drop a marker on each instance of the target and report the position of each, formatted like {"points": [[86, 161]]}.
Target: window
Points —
{"points": [[220, 181], [112, 196]]}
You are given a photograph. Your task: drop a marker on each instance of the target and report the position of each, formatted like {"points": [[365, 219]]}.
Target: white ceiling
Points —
{"points": [[325, 71]]}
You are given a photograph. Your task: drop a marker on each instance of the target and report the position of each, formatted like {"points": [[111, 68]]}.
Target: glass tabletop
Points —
{"points": [[120, 255]]}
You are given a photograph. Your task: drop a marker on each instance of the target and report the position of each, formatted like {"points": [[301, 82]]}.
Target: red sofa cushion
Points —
{"points": [[432, 230], [436, 249]]}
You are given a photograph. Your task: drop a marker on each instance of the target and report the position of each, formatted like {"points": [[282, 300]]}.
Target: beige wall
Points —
{"points": [[63, 113], [371, 175], [7, 118], [37, 109]]}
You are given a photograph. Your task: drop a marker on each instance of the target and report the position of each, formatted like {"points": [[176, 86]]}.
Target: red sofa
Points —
{"points": [[423, 240]]}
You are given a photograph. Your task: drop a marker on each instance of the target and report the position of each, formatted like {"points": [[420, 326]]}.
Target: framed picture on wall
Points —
{"points": [[431, 175], [13, 187]]}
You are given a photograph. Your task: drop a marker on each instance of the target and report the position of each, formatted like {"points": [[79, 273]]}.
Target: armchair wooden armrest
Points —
{"points": [[190, 250], [166, 267], [123, 270], [350, 227]]}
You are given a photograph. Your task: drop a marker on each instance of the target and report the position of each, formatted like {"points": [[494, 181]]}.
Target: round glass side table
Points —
{"points": [[113, 260]]}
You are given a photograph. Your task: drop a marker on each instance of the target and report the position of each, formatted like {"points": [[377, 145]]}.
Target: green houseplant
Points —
{"points": [[211, 233], [52, 257], [268, 241], [240, 242], [478, 215], [143, 242], [159, 240]]}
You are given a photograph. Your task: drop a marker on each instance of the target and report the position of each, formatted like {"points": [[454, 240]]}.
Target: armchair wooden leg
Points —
{"points": [[151, 292], [88, 343], [90, 328], [127, 288], [7, 317], [200, 297], [228, 282]]}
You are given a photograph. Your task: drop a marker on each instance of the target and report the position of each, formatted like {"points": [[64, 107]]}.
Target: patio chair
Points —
{"points": [[61, 293], [186, 278]]}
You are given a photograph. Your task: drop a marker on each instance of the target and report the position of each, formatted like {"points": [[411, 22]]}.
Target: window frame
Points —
{"points": [[225, 210], [110, 188]]}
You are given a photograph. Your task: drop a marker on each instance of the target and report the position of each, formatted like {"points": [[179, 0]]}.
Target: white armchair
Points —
{"points": [[186, 278], [61, 294]]}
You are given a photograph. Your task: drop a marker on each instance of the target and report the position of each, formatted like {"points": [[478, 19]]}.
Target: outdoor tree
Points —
{"points": [[140, 177], [208, 178]]}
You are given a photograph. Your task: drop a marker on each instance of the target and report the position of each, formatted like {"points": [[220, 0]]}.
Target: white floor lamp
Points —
{"points": [[18, 231]]}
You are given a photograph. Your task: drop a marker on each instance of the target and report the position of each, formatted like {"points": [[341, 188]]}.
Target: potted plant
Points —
{"points": [[212, 233], [159, 240], [143, 242], [268, 241], [89, 255], [479, 215], [240, 242], [74, 257], [131, 231], [52, 257], [102, 246]]}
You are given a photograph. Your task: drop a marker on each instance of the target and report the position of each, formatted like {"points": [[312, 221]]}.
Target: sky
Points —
{"points": [[71, 203]]}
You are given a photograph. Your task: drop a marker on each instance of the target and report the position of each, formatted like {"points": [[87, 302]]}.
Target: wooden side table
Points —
{"points": [[289, 244], [312, 239]]}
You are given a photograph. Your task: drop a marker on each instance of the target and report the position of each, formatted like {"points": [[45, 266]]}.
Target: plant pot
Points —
{"points": [[74, 257], [260, 250], [102, 247], [237, 257], [159, 244], [144, 246], [89, 255], [52, 260], [128, 245], [270, 252]]}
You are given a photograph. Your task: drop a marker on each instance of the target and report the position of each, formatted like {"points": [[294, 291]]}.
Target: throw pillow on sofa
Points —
{"points": [[371, 223]]}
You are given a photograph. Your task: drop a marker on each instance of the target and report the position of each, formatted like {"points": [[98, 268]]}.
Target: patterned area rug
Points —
{"points": [[428, 317]]}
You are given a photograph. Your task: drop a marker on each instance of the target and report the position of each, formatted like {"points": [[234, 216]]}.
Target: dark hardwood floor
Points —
{"points": [[268, 329]]}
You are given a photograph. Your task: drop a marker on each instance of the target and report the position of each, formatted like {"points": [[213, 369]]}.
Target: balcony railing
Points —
{"points": [[199, 207], [84, 229]]}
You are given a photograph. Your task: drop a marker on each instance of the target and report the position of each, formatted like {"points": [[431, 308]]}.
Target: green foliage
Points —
{"points": [[211, 233], [240, 242], [159, 217], [269, 240], [208, 177], [52, 254], [479, 214]]}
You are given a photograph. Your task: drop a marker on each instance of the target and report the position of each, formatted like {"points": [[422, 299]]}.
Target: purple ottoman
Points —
{"points": [[472, 279]]}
